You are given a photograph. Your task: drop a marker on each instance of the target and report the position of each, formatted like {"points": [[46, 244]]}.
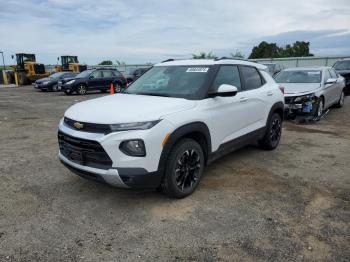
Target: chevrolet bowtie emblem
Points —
{"points": [[78, 125]]}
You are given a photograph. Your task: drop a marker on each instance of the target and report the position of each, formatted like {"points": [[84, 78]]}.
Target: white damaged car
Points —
{"points": [[310, 91]]}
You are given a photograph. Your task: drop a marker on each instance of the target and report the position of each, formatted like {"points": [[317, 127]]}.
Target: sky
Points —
{"points": [[138, 31]]}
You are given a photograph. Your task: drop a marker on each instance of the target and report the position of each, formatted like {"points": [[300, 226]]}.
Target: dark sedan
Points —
{"points": [[343, 69], [51, 83], [95, 79]]}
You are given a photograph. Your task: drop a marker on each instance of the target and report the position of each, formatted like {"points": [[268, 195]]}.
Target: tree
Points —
{"points": [[265, 50], [237, 54], [106, 62], [271, 50], [203, 55]]}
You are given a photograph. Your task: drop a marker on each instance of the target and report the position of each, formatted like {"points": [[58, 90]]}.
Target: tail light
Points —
{"points": [[281, 88]]}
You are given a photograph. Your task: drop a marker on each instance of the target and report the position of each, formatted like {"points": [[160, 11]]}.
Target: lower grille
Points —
{"points": [[83, 152]]}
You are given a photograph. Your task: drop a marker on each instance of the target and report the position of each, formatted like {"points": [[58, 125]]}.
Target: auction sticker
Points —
{"points": [[197, 69]]}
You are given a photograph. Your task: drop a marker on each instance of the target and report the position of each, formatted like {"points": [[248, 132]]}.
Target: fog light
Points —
{"points": [[135, 147]]}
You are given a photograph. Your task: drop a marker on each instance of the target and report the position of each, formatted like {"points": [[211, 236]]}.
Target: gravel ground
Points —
{"points": [[252, 205]]}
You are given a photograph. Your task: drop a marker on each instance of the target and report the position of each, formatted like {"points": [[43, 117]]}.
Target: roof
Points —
{"points": [[307, 68], [203, 62]]}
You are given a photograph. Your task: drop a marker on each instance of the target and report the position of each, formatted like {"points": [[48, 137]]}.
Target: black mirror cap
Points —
{"points": [[222, 94]]}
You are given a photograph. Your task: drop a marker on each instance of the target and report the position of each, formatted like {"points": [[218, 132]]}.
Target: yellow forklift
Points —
{"points": [[70, 63], [27, 69]]}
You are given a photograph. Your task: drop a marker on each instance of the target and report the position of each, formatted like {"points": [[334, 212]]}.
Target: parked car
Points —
{"points": [[51, 83], [172, 121], [274, 68], [134, 73], [309, 91], [95, 79], [343, 68]]}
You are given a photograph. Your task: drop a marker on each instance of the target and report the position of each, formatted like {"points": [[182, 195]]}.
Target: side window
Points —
{"points": [[108, 73], [97, 74], [251, 78], [333, 73], [227, 75]]}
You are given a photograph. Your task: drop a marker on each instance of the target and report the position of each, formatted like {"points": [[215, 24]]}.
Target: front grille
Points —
{"points": [[39, 68], [83, 152], [87, 127]]}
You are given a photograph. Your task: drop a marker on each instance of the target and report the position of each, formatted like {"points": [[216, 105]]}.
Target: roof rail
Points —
{"points": [[168, 60], [231, 58]]}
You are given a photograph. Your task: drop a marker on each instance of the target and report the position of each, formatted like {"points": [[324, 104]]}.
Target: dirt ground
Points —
{"points": [[291, 204]]}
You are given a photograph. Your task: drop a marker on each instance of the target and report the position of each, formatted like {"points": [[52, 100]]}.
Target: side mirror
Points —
{"points": [[12, 56], [91, 76], [331, 81], [58, 58], [225, 90]]}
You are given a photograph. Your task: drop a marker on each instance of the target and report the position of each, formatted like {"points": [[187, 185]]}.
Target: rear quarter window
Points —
{"points": [[251, 77]]}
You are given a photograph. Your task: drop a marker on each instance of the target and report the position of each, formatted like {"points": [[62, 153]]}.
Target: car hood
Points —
{"points": [[42, 80], [126, 108], [300, 88]]}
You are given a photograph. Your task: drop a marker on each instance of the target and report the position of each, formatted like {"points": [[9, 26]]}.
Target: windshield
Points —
{"points": [[173, 81], [342, 65], [83, 74], [57, 75], [299, 76]]}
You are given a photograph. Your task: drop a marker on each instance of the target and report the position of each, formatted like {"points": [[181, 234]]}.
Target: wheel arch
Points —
{"points": [[197, 131], [276, 108]]}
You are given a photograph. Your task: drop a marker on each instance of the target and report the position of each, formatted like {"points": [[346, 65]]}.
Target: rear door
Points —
{"points": [[108, 77], [95, 80], [256, 97]]}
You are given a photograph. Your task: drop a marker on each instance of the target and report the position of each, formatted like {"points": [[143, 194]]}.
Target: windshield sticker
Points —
{"points": [[197, 69]]}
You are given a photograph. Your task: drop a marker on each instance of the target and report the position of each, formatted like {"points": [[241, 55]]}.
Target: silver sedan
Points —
{"points": [[310, 91]]}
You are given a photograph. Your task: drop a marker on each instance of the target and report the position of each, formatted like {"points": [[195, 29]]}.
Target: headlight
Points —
{"points": [[135, 147], [306, 98], [46, 82], [134, 126], [70, 82]]}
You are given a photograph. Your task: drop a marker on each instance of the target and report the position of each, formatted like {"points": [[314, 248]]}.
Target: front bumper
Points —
{"points": [[124, 171], [306, 107]]}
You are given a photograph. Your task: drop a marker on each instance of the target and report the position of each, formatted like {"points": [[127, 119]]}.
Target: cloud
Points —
{"points": [[139, 31]]}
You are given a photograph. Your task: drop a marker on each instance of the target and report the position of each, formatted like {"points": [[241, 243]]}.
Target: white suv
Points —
{"points": [[171, 122]]}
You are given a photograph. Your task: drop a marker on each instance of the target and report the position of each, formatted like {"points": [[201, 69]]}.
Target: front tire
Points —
{"points": [[82, 90], [273, 133], [319, 109], [184, 169]]}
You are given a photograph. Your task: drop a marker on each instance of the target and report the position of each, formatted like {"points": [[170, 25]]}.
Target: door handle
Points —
{"points": [[269, 93], [243, 99]]}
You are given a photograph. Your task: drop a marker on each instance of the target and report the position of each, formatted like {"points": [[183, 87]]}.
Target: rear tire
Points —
{"points": [[117, 87], [184, 169], [341, 100], [273, 133]]}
